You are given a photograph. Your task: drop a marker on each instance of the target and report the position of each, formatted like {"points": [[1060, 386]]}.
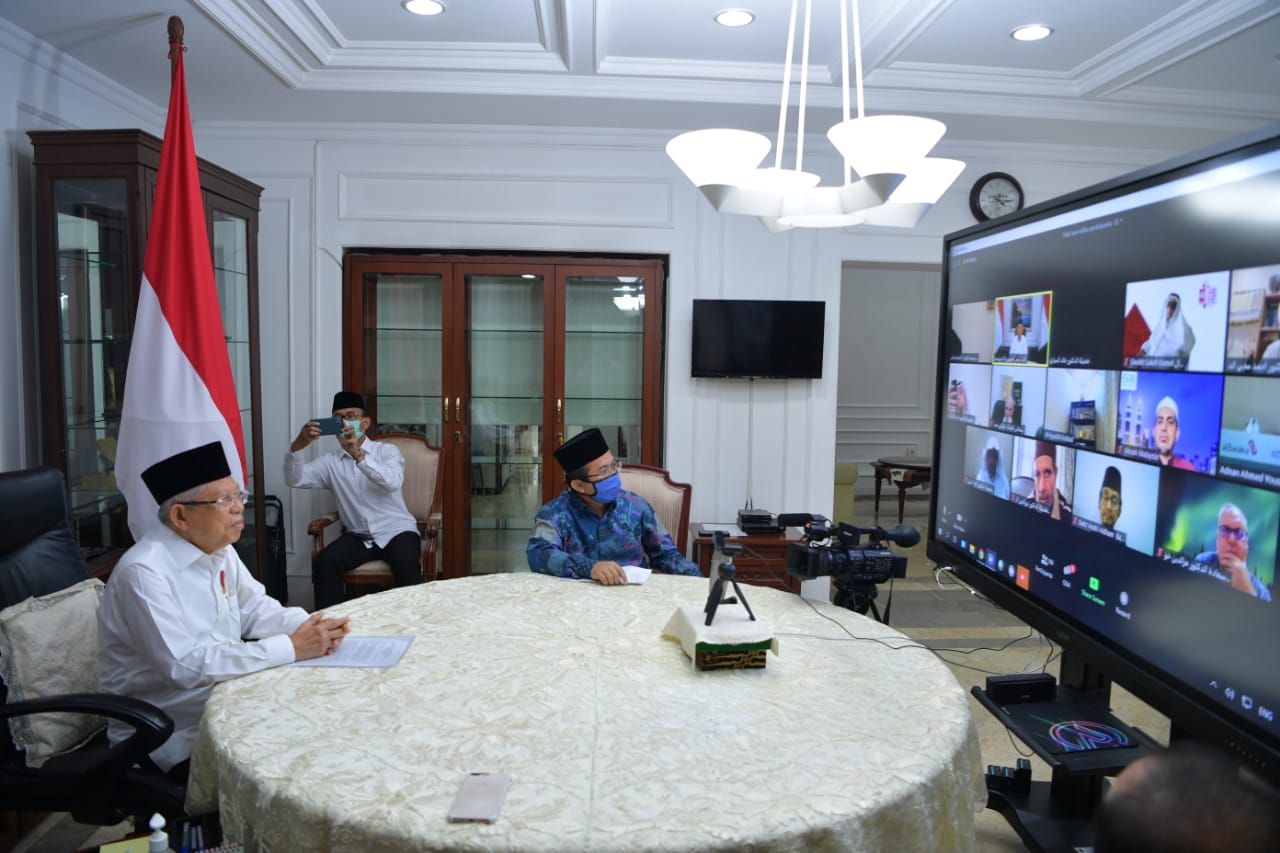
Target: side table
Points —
{"points": [[767, 569], [916, 471]]}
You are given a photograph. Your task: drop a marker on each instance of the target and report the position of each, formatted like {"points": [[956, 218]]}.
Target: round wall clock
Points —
{"points": [[995, 194]]}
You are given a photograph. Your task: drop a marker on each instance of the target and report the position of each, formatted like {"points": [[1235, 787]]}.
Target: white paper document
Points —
{"points": [[637, 574], [363, 651]]}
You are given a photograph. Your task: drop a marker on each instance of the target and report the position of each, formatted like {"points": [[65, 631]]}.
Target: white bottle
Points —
{"points": [[158, 840]]}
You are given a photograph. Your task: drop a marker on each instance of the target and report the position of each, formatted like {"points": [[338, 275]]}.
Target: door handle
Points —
{"points": [[560, 410], [446, 410], [457, 409]]}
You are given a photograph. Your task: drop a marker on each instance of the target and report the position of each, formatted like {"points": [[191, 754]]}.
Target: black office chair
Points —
{"points": [[97, 782]]}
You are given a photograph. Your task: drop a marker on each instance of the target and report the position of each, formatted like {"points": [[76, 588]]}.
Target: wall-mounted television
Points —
{"points": [[757, 338], [1114, 480]]}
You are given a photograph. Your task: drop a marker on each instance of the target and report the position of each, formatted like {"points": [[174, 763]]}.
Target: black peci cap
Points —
{"points": [[584, 447], [186, 470], [348, 400]]}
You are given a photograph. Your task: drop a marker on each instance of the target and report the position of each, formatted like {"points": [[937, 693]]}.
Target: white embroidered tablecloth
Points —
{"points": [[615, 742]]}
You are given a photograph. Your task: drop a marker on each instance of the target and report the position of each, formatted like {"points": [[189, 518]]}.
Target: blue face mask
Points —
{"points": [[608, 488], [354, 426]]}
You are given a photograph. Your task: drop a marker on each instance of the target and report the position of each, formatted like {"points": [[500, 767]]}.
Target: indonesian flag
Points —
{"points": [[179, 391]]}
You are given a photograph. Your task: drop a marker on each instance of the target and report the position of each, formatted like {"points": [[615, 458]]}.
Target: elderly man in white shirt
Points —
{"points": [[182, 612], [365, 476]]}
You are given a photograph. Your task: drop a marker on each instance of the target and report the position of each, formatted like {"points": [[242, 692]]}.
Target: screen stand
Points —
{"points": [[751, 416], [1055, 816]]}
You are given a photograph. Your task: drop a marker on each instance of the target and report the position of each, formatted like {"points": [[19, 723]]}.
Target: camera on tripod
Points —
{"points": [[837, 551]]}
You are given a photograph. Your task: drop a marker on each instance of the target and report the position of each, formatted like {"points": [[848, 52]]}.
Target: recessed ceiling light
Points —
{"points": [[424, 7], [734, 17], [1032, 32]]}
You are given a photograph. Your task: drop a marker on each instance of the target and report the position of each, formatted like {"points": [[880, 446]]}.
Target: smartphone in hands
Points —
{"points": [[329, 425], [479, 799]]}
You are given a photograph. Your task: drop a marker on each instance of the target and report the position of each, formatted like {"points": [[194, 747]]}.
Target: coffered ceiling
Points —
{"points": [[1159, 74]]}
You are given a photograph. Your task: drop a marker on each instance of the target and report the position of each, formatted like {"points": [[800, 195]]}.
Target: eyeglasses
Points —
{"points": [[221, 502], [1237, 533], [613, 468]]}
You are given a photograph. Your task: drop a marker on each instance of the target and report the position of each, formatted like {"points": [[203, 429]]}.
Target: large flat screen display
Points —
{"points": [[757, 338], [1107, 436]]}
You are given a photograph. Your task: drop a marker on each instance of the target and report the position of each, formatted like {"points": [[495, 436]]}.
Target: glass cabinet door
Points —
{"points": [[506, 338], [402, 341], [231, 274], [95, 317], [230, 251], [604, 359]]}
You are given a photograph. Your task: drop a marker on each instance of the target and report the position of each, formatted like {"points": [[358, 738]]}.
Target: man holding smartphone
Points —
{"points": [[365, 476]]}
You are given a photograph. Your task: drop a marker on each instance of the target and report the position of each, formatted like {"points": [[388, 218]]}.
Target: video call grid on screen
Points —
{"points": [[1182, 328]]}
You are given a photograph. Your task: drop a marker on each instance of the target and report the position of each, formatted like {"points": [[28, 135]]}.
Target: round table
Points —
{"points": [[613, 740]]}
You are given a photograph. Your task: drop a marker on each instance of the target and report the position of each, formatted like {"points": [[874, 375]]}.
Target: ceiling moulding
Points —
{"points": [[705, 69], [307, 21], [399, 56], [69, 70], [244, 25], [320, 37]]}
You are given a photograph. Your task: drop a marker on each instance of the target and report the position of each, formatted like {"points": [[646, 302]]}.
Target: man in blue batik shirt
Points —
{"points": [[594, 528]]}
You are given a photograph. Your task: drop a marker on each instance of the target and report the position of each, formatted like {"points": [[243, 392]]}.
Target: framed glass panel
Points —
{"points": [[95, 319], [604, 359], [403, 355], [506, 342], [230, 250]]}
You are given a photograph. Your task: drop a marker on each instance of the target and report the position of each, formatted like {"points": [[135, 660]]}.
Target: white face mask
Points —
{"points": [[355, 427]]}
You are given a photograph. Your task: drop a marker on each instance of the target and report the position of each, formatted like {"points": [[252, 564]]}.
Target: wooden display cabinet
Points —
{"points": [[497, 360], [94, 193]]}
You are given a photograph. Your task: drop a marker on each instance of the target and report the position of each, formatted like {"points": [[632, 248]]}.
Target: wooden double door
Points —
{"points": [[498, 360]]}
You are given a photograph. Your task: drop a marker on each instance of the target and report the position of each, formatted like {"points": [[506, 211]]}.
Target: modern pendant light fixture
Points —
{"points": [[889, 179]]}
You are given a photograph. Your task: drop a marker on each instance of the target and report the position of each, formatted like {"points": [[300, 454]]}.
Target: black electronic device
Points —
{"points": [[1148, 297], [855, 571], [1021, 687], [754, 521], [757, 338], [726, 574]]}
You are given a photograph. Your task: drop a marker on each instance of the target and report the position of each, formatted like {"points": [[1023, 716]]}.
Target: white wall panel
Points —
{"points": [[564, 199], [888, 345]]}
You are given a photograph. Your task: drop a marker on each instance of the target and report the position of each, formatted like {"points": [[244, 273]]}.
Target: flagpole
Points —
{"points": [[176, 32], [179, 389]]}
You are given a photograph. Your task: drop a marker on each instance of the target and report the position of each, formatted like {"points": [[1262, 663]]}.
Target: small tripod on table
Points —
{"points": [[725, 572]]}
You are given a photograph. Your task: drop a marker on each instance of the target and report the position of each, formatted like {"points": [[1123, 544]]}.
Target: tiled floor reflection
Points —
{"points": [[501, 521]]}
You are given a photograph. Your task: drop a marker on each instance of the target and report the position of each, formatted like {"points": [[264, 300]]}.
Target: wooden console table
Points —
{"points": [[916, 471], [769, 569]]}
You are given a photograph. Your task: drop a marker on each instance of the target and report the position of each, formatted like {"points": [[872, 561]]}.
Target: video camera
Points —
{"points": [[837, 551]]}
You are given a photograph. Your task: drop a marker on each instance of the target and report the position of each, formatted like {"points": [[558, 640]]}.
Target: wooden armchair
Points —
{"points": [[421, 491], [670, 500]]}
